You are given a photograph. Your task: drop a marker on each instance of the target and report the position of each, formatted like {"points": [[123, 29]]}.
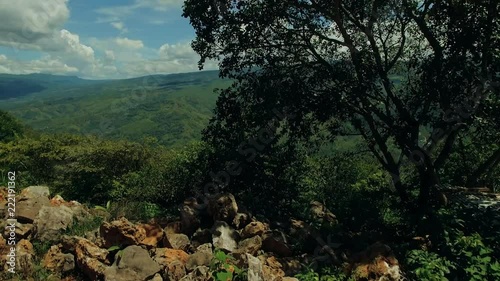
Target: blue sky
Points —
{"points": [[96, 39]]}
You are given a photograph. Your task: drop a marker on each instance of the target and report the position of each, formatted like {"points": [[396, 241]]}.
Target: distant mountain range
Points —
{"points": [[173, 108]]}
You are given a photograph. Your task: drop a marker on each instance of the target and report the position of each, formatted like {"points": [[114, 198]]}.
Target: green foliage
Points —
{"points": [[428, 266], [327, 274], [40, 248], [10, 127], [223, 268], [474, 259], [172, 108], [81, 227], [409, 101], [106, 208]]}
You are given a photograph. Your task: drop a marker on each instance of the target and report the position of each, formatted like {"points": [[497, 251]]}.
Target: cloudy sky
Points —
{"points": [[95, 39]]}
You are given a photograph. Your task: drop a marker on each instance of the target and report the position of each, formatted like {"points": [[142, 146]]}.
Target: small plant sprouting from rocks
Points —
{"points": [[223, 268]]}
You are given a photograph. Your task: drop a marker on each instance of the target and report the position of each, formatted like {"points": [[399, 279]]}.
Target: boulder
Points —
{"points": [[241, 220], [157, 277], [53, 220], [30, 201], [173, 227], [121, 233], [199, 258], [165, 257], [175, 271], [271, 268], [207, 247], [250, 245], [252, 229], [91, 259], [177, 241], [223, 207], [133, 264], [25, 256], [4, 250], [4, 195], [320, 213], [154, 235], [377, 262], [200, 273], [190, 216], [224, 237], [58, 262], [201, 236], [23, 231], [276, 242], [68, 243], [255, 271]]}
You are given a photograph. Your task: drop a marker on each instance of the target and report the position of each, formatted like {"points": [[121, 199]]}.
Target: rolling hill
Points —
{"points": [[172, 108]]}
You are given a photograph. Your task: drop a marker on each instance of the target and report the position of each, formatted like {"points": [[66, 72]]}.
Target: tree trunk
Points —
{"points": [[428, 180]]}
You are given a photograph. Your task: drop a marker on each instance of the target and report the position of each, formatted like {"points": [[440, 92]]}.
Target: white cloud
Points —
{"points": [[119, 25], [27, 21], [117, 13], [178, 51], [160, 5], [46, 64], [110, 55], [129, 43]]}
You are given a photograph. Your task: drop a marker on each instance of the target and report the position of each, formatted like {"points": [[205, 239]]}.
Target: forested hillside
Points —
{"points": [[171, 108]]}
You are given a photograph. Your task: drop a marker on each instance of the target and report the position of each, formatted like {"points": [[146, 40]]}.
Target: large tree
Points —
{"points": [[408, 76]]}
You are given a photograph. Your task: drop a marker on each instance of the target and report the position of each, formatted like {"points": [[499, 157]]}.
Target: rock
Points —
{"points": [[154, 235], [178, 241], [133, 264], [25, 255], [200, 273], [223, 208], [91, 259], [165, 257], [255, 271], [52, 221], [275, 242], [173, 227], [175, 271], [201, 236], [93, 236], [291, 266], [30, 201], [35, 191], [321, 213], [23, 231], [224, 237], [157, 277], [4, 195], [271, 268], [289, 279], [190, 216], [58, 262], [121, 232], [207, 247], [241, 220], [200, 258], [377, 262], [250, 245], [252, 229], [68, 243], [4, 250]]}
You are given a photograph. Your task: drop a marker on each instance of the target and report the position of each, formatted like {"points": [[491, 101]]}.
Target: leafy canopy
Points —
{"points": [[410, 77]]}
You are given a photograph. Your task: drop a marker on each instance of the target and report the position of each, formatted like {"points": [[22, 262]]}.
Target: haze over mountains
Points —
{"points": [[172, 108]]}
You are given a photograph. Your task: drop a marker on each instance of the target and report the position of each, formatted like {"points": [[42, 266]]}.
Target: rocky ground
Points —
{"points": [[185, 248]]}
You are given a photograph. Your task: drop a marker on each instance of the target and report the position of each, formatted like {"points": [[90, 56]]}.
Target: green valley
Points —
{"points": [[171, 108]]}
